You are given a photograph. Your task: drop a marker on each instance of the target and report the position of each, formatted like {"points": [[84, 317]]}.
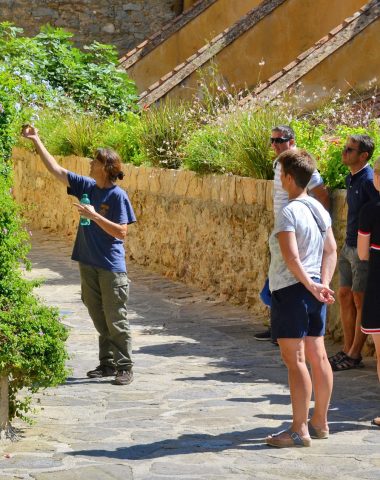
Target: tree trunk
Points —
{"points": [[6, 430]]}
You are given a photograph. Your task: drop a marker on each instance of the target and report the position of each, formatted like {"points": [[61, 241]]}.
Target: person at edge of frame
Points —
{"points": [[369, 249], [353, 271]]}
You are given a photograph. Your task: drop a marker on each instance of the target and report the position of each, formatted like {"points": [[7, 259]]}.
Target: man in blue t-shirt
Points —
{"points": [[353, 271]]}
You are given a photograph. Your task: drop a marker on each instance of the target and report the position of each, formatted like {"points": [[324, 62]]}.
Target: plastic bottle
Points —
{"points": [[85, 201]]}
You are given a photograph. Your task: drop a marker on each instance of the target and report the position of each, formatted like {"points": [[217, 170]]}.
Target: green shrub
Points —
{"points": [[122, 136], [49, 70], [207, 151], [330, 160], [32, 352]]}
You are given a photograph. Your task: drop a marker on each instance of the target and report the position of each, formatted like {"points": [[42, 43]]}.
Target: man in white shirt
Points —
{"points": [[282, 139]]}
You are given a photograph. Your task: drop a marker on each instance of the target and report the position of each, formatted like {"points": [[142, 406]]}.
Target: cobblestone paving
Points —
{"points": [[205, 395]]}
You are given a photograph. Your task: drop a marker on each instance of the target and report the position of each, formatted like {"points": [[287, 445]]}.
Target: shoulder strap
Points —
{"points": [[321, 231]]}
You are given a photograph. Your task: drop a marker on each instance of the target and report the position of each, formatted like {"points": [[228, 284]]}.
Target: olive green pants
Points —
{"points": [[105, 294]]}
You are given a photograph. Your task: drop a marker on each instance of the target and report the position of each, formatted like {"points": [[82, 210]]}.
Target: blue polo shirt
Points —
{"points": [[360, 190], [93, 246]]}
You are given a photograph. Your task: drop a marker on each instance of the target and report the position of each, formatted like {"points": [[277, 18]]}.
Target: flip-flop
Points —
{"points": [[293, 440]]}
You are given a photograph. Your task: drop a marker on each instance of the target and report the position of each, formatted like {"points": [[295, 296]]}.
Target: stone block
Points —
{"points": [[195, 186], [142, 179], [45, 12], [132, 7], [182, 183], [154, 180], [249, 190], [109, 28]]}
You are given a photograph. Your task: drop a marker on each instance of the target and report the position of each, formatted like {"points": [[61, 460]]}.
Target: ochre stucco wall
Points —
{"points": [[209, 231], [188, 40], [278, 39], [188, 4], [351, 67]]}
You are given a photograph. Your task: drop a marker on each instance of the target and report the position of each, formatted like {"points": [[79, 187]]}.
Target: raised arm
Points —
{"points": [[60, 173]]}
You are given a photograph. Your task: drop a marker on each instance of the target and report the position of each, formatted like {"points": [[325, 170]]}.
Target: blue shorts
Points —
{"points": [[296, 313]]}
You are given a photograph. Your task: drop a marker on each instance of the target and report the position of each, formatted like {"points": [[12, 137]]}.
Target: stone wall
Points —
{"points": [[123, 23], [209, 231]]}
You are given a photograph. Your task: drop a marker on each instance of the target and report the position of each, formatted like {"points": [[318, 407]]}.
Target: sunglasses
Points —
{"points": [[350, 149], [279, 139]]}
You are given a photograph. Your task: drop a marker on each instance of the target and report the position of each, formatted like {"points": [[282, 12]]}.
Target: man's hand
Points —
{"points": [[322, 293]]}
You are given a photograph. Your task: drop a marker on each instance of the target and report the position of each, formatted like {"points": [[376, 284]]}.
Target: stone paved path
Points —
{"points": [[204, 396]]}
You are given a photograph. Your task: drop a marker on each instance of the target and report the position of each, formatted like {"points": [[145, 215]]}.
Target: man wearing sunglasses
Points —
{"points": [[353, 271], [282, 139]]}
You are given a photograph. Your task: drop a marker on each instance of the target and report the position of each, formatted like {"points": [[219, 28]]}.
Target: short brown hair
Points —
{"points": [[112, 163], [299, 164]]}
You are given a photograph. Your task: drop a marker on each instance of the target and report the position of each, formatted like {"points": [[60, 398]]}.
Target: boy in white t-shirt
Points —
{"points": [[303, 259]]}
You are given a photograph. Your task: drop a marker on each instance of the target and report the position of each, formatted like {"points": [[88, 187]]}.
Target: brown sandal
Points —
{"points": [[347, 363], [335, 359]]}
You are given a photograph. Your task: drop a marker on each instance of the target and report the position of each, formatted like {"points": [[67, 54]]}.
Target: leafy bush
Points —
{"points": [[122, 136], [32, 353], [330, 160], [326, 143], [207, 151], [83, 133], [48, 70]]}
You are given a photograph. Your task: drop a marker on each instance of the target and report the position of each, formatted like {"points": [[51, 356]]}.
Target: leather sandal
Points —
{"points": [[318, 433], [292, 439], [335, 359], [347, 363]]}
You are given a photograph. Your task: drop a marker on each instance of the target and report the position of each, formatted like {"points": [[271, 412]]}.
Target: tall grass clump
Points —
{"points": [[163, 132], [83, 133], [249, 133], [208, 151]]}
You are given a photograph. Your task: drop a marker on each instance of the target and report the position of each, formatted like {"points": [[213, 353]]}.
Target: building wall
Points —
{"points": [[276, 41], [124, 23], [190, 38], [209, 231], [336, 73]]}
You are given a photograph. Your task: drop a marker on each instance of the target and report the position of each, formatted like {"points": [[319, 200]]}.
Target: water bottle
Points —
{"points": [[85, 201]]}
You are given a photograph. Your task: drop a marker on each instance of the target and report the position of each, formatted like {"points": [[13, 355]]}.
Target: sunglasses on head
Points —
{"points": [[279, 139]]}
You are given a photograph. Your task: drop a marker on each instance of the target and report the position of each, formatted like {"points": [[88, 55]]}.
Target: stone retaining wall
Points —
{"points": [[124, 23], [209, 231]]}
